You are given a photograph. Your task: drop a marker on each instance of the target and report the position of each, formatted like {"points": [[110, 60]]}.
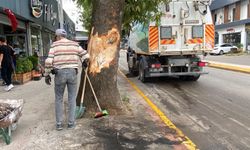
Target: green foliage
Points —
{"points": [[239, 45], [141, 11], [23, 65], [135, 11], [34, 61], [87, 13]]}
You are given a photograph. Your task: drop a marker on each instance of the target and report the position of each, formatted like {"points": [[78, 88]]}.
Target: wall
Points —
{"points": [[244, 9], [220, 16], [226, 14], [69, 26], [231, 16]]}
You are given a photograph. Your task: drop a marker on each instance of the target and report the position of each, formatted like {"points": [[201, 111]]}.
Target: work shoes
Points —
{"points": [[71, 126], [9, 87], [3, 83], [59, 127]]}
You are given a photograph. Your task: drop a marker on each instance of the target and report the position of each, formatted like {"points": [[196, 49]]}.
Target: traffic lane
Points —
{"points": [[209, 111], [212, 112]]}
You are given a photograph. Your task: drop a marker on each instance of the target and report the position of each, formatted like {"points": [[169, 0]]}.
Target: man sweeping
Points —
{"points": [[63, 60]]}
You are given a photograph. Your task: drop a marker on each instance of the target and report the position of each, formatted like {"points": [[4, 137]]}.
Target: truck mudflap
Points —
{"points": [[156, 74]]}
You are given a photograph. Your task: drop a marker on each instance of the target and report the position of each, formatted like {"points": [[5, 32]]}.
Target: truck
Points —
{"points": [[175, 45]]}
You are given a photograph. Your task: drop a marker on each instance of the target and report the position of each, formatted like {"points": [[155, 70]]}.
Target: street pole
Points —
{"points": [[60, 13]]}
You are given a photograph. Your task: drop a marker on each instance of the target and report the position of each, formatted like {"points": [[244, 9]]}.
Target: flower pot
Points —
{"points": [[36, 75], [23, 77]]}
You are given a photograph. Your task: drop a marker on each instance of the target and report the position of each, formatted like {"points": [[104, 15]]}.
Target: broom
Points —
{"points": [[101, 112]]}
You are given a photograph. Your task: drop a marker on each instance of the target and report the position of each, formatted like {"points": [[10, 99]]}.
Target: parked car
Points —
{"points": [[223, 49]]}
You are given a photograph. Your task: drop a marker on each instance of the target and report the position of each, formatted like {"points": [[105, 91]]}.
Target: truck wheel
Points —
{"points": [[142, 72]]}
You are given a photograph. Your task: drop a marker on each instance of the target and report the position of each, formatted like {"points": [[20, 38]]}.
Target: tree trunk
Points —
{"points": [[104, 52]]}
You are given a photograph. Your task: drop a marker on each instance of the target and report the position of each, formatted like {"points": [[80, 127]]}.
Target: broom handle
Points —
{"points": [[99, 107], [84, 84]]}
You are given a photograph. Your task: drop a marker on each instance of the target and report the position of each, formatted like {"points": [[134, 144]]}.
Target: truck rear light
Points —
{"points": [[157, 66], [202, 64]]}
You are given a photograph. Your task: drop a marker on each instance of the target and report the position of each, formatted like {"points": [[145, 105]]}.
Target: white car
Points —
{"points": [[222, 49]]}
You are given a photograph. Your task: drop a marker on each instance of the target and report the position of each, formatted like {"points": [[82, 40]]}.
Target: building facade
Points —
{"points": [[37, 22], [232, 22]]}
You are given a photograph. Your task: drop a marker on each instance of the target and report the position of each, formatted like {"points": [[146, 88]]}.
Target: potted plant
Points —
{"points": [[36, 71], [23, 70]]}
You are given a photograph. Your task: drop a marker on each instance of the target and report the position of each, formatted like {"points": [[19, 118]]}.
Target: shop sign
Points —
{"points": [[50, 14], [230, 30], [37, 8]]}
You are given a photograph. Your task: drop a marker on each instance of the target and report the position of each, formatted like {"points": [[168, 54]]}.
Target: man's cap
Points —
{"points": [[60, 32]]}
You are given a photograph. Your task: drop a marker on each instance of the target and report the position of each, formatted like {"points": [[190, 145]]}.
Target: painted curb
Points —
{"points": [[187, 142], [227, 66]]}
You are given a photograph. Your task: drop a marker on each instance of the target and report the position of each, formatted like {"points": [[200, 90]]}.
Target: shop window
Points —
{"points": [[215, 18], [232, 38], [166, 32], [216, 38], [36, 40]]}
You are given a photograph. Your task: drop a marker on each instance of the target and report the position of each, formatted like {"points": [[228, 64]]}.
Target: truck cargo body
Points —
{"points": [[173, 46]]}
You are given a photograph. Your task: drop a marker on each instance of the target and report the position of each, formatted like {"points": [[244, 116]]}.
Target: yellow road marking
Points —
{"points": [[229, 67], [188, 143]]}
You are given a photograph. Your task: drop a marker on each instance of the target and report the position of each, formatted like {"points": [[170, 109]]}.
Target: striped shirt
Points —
{"points": [[64, 54]]}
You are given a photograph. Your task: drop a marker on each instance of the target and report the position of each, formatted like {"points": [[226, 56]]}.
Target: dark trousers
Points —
{"points": [[6, 73]]}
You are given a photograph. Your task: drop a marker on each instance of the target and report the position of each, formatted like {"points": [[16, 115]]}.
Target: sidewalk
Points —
{"points": [[239, 60], [233, 63], [139, 128]]}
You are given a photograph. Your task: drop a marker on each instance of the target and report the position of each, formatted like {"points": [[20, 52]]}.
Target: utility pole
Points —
{"points": [[60, 13]]}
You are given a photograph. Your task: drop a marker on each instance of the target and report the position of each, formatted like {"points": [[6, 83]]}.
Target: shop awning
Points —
{"points": [[232, 24]]}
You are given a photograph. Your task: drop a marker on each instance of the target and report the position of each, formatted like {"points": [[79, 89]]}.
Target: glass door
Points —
{"points": [[18, 41]]}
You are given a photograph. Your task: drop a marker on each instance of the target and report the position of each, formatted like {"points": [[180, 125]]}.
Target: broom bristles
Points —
{"points": [[100, 114]]}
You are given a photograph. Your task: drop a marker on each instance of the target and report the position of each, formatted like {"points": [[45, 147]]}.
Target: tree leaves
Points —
{"points": [[135, 11]]}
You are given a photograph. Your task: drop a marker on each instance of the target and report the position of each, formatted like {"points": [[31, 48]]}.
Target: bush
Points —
{"points": [[34, 61], [23, 65], [239, 45]]}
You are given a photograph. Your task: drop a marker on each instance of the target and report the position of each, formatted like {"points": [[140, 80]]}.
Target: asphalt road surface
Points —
{"points": [[214, 112]]}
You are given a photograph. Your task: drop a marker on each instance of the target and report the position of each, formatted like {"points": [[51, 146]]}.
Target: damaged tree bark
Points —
{"points": [[104, 52]]}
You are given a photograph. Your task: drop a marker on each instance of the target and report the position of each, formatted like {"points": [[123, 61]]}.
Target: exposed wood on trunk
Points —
{"points": [[104, 51]]}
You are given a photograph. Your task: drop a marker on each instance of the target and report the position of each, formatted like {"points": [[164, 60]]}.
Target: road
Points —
{"points": [[213, 112]]}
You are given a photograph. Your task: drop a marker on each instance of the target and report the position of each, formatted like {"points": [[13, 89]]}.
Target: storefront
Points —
{"points": [[17, 38], [235, 35], [37, 22], [248, 37]]}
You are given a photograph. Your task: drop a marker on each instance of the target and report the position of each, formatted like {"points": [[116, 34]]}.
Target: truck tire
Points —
{"points": [[190, 78], [142, 72]]}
